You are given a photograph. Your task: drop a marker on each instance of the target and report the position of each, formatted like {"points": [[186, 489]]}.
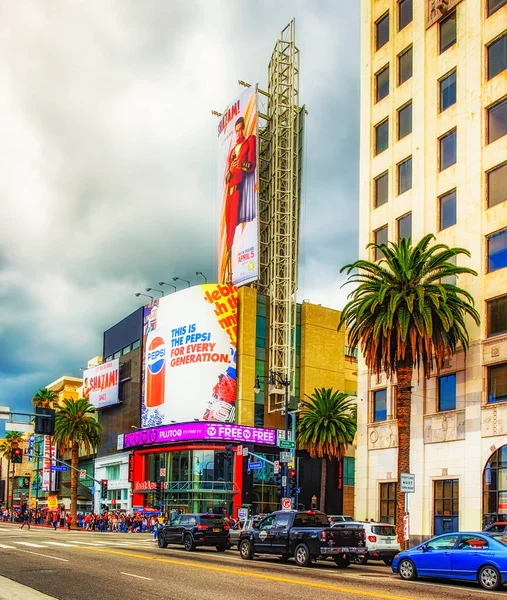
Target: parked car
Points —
{"points": [[472, 556], [192, 530], [497, 527], [339, 518], [381, 541], [238, 528], [305, 535]]}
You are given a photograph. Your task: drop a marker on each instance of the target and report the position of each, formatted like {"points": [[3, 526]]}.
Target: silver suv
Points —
{"points": [[381, 541]]}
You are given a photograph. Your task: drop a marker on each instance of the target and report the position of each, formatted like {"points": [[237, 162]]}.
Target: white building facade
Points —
{"points": [[115, 469]]}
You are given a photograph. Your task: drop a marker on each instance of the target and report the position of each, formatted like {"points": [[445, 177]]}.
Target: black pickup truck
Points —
{"points": [[305, 535]]}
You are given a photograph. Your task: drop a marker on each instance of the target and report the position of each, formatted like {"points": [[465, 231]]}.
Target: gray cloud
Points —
{"points": [[108, 176]]}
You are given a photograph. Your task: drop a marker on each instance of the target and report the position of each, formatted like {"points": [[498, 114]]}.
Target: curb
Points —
{"points": [[12, 590]]}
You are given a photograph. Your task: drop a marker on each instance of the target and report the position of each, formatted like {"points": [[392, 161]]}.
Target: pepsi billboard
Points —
{"points": [[101, 384], [189, 361]]}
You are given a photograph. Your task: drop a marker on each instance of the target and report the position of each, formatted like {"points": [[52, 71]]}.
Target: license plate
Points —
{"points": [[216, 530]]}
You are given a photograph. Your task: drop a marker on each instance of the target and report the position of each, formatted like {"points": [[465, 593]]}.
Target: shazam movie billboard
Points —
{"points": [[189, 361], [238, 190], [101, 384]]}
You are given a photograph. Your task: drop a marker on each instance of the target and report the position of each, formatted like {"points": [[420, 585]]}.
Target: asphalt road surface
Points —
{"points": [[113, 566]]}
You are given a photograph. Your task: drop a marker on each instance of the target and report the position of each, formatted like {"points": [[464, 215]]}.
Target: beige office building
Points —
{"points": [[434, 160]]}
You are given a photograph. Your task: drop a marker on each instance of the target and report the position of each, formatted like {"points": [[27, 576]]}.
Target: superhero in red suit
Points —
{"points": [[240, 179]]}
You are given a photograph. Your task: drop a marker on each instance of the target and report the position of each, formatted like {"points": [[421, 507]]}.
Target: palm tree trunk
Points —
{"points": [[323, 483], [73, 483], [403, 413], [12, 485], [7, 480]]}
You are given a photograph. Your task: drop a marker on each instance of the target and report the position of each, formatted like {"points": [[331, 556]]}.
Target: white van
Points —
{"points": [[381, 541]]}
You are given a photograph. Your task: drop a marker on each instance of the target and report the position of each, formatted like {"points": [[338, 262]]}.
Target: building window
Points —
{"points": [[388, 502], [447, 210], [259, 415], [494, 5], [497, 56], [380, 405], [381, 136], [447, 91], [405, 176], [448, 32], [405, 66], [382, 84], [349, 470], [448, 150], [494, 488], [117, 354], [404, 13], [497, 315], [497, 185], [450, 279], [405, 121], [382, 31], [125, 350], [113, 473], [497, 121], [136, 344], [447, 393], [405, 227], [497, 251], [497, 383], [381, 189], [380, 238]]}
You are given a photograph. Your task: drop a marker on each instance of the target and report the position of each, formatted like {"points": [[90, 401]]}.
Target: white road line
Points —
{"points": [[85, 543], [60, 544], [7, 547], [29, 544], [44, 555], [138, 576]]}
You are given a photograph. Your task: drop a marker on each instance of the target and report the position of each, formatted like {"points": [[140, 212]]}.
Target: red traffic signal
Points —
{"points": [[17, 456], [292, 473]]}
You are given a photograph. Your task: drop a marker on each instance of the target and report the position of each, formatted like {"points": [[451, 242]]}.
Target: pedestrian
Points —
{"points": [[69, 521], [55, 520], [26, 519], [156, 525]]}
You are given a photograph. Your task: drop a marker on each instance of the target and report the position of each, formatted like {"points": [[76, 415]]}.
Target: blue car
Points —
{"points": [[478, 557]]}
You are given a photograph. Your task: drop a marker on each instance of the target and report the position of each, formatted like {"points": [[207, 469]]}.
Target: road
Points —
{"points": [[111, 566]]}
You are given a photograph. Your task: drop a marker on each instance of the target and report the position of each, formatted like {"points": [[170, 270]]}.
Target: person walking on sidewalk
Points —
{"points": [[55, 520], [26, 519], [69, 521]]}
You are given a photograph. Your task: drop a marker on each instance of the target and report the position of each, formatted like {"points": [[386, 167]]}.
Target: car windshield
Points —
{"points": [[384, 530], [211, 520], [502, 538], [311, 520], [497, 527]]}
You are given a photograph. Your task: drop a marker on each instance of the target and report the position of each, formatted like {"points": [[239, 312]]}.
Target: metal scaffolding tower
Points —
{"points": [[280, 158]]}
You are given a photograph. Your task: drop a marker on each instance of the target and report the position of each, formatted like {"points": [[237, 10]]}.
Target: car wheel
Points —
{"points": [[341, 561], [489, 578], [188, 542], [407, 570], [284, 558], [221, 547], [388, 561], [161, 541], [360, 559], [246, 550], [302, 555]]}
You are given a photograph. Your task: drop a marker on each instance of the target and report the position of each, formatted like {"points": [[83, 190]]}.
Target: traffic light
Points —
{"points": [[279, 486], [293, 484], [228, 453], [103, 489], [158, 490], [45, 421], [17, 456]]}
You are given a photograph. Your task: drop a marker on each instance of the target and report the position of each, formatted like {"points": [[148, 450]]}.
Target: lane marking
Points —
{"points": [[454, 587], [44, 555], [29, 544], [7, 547], [60, 544], [85, 543], [230, 571], [138, 576]]}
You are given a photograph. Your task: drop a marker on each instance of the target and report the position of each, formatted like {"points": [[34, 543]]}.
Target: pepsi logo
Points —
{"points": [[155, 359]]}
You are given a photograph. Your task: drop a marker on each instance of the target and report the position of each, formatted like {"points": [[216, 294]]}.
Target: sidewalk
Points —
{"points": [[32, 525], [11, 590]]}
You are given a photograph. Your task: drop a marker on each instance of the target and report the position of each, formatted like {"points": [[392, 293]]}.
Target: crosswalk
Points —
{"points": [[13, 545]]}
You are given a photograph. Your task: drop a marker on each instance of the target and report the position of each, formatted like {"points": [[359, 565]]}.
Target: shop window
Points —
{"points": [[497, 185], [497, 121], [381, 189], [382, 31], [404, 13], [446, 510], [447, 32], [447, 210], [497, 383], [405, 121], [379, 405], [381, 136], [447, 91], [494, 5], [388, 502], [497, 56], [405, 66], [382, 84], [405, 227], [497, 251], [497, 316], [447, 392], [380, 237], [448, 150], [405, 176]]}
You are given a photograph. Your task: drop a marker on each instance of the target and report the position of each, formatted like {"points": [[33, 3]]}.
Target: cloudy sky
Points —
{"points": [[108, 170]]}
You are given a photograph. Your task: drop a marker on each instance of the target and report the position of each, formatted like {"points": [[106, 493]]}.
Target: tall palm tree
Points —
{"points": [[76, 426], [12, 440], [45, 398], [404, 317], [327, 425]]}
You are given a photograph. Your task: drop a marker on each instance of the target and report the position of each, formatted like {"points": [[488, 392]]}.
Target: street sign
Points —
{"points": [[407, 483], [286, 503], [406, 528], [276, 466], [285, 457], [58, 468], [242, 513], [52, 502], [287, 444], [4, 412], [255, 465], [92, 489], [239, 450], [284, 481], [162, 472], [82, 473], [280, 435], [245, 450]]}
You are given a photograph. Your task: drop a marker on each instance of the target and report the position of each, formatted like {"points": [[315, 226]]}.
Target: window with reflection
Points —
{"points": [[494, 488]]}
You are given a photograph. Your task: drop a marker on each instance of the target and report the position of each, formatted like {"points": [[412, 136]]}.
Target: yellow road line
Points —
{"points": [[311, 584]]}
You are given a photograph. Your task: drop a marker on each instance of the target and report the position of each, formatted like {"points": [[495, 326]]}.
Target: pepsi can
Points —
{"points": [[155, 371]]}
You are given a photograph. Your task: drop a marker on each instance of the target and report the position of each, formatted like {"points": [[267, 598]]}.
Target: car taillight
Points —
{"points": [[201, 527], [372, 538], [226, 527], [323, 536]]}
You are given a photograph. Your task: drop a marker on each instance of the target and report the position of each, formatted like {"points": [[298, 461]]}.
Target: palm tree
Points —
{"points": [[75, 426], [12, 440], [403, 316], [327, 425], [45, 398]]}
